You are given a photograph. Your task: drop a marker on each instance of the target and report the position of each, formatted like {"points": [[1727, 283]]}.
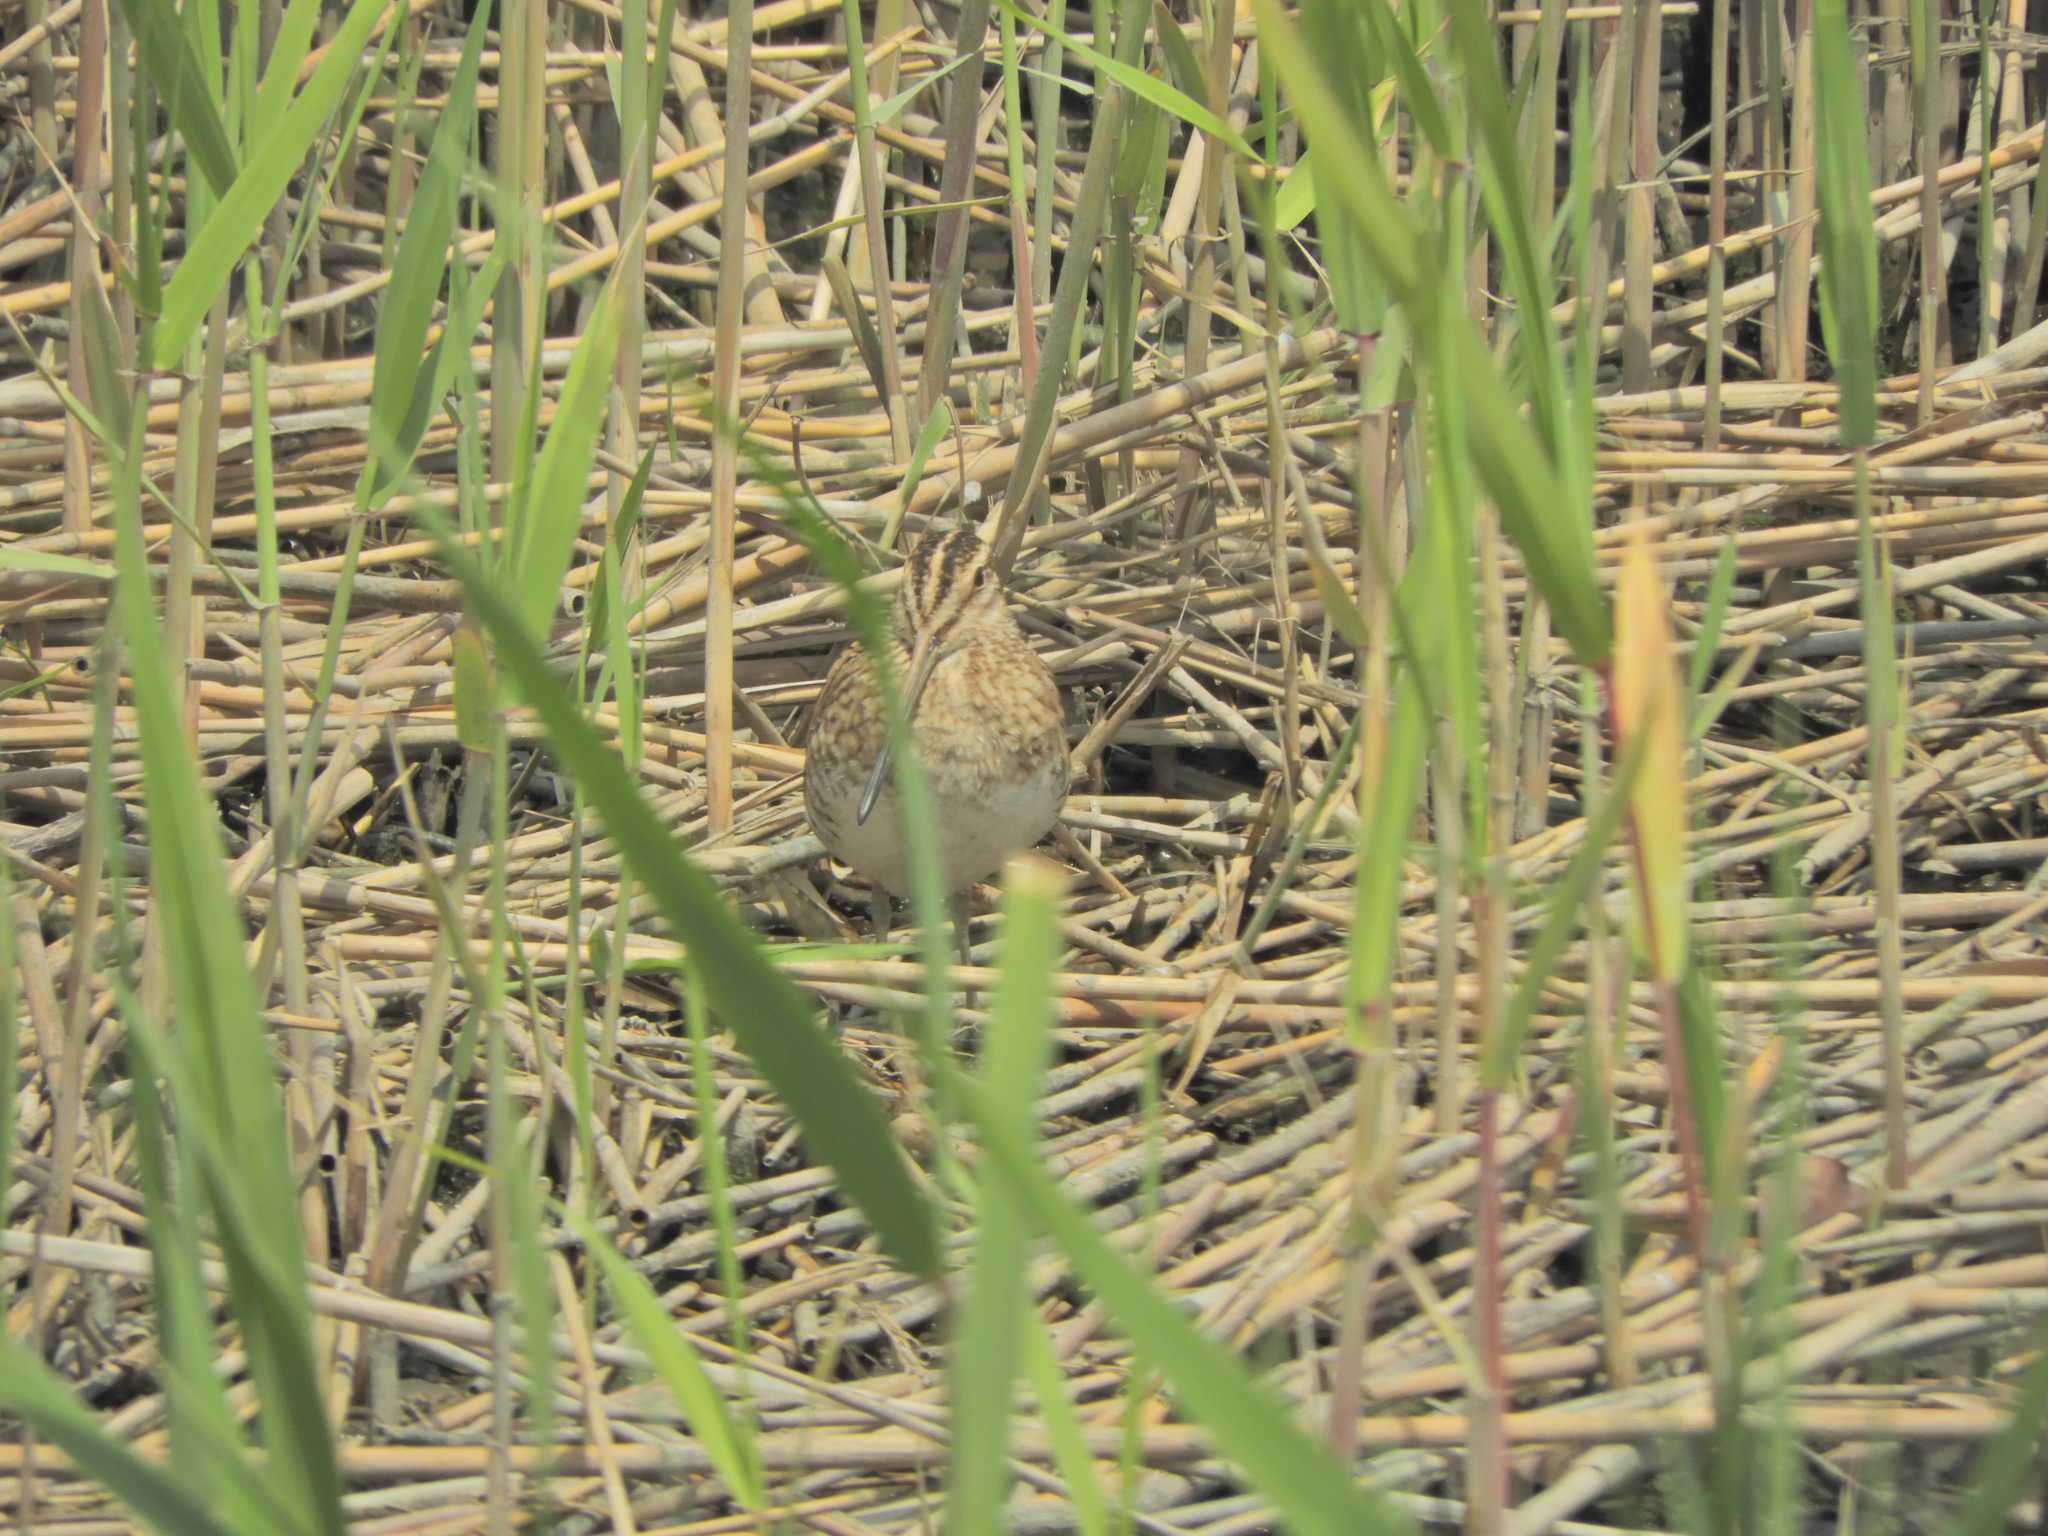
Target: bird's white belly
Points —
{"points": [[975, 835]]}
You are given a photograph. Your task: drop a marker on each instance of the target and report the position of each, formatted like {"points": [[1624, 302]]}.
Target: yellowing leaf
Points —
{"points": [[1647, 709]]}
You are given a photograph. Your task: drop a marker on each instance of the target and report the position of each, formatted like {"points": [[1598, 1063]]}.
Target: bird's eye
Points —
{"points": [[988, 575]]}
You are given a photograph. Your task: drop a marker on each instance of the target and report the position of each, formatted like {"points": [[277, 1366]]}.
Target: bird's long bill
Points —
{"points": [[923, 657]]}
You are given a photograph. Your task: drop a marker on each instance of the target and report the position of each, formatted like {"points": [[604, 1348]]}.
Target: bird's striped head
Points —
{"points": [[950, 598], [950, 590]]}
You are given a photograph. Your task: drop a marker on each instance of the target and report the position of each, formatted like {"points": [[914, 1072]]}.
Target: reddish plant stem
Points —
{"points": [[1679, 1087]]}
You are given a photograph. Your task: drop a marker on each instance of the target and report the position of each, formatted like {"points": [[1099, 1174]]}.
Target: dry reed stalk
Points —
{"points": [[718, 652]]}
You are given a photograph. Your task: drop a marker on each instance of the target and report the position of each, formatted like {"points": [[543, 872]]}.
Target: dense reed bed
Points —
{"points": [[1534, 1017]]}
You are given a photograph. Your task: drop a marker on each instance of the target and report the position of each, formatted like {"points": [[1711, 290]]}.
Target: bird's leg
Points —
{"points": [[963, 953], [882, 907], [962, 941]]}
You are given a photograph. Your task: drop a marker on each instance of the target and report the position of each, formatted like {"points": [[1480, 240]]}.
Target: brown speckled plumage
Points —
{"points": [[988, 726]]}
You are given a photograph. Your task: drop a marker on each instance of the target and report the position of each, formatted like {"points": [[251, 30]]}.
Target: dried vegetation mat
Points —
{"points": [[1425, 1259]]}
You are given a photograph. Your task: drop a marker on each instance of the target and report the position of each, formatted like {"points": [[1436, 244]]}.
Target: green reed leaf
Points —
{"points": [[214, 251]]}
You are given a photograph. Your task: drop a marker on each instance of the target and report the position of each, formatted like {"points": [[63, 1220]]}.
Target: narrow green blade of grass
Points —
{"points": [[1699, 1034], [929, 436], [1181, 64], [30, 1393], [866, 340], [402, 100], [214, 251], [321, 189], [1314, 1493], [205, 1440], [888, 111], [1146, 87], [1884, 761], [997, 1313], [1282, 881], [1339, 604], [1063, 1433], [1358, 288], [1554, 536], [46, 563], [728, 1442], [1720, 591], [205, 1436], [1392, 779], [104, 369], [195, 1400], [533, 1295], [402, 393], [207, 1443], [35, 683], [1383, 834], [168, 59], [281, 67], [424, 392], [1563, 918], [657, 68], [608, 615], [230, 1103], [841, 1121], [1324, 106], [1776, 1455], [546, 523], [1141, 165], [1296, 199], [1476, 43], [1069, 297], [1848, 243], [1417, 92]]}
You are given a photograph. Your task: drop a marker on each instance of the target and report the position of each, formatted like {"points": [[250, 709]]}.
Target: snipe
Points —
{"points": [[984, 713]]}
